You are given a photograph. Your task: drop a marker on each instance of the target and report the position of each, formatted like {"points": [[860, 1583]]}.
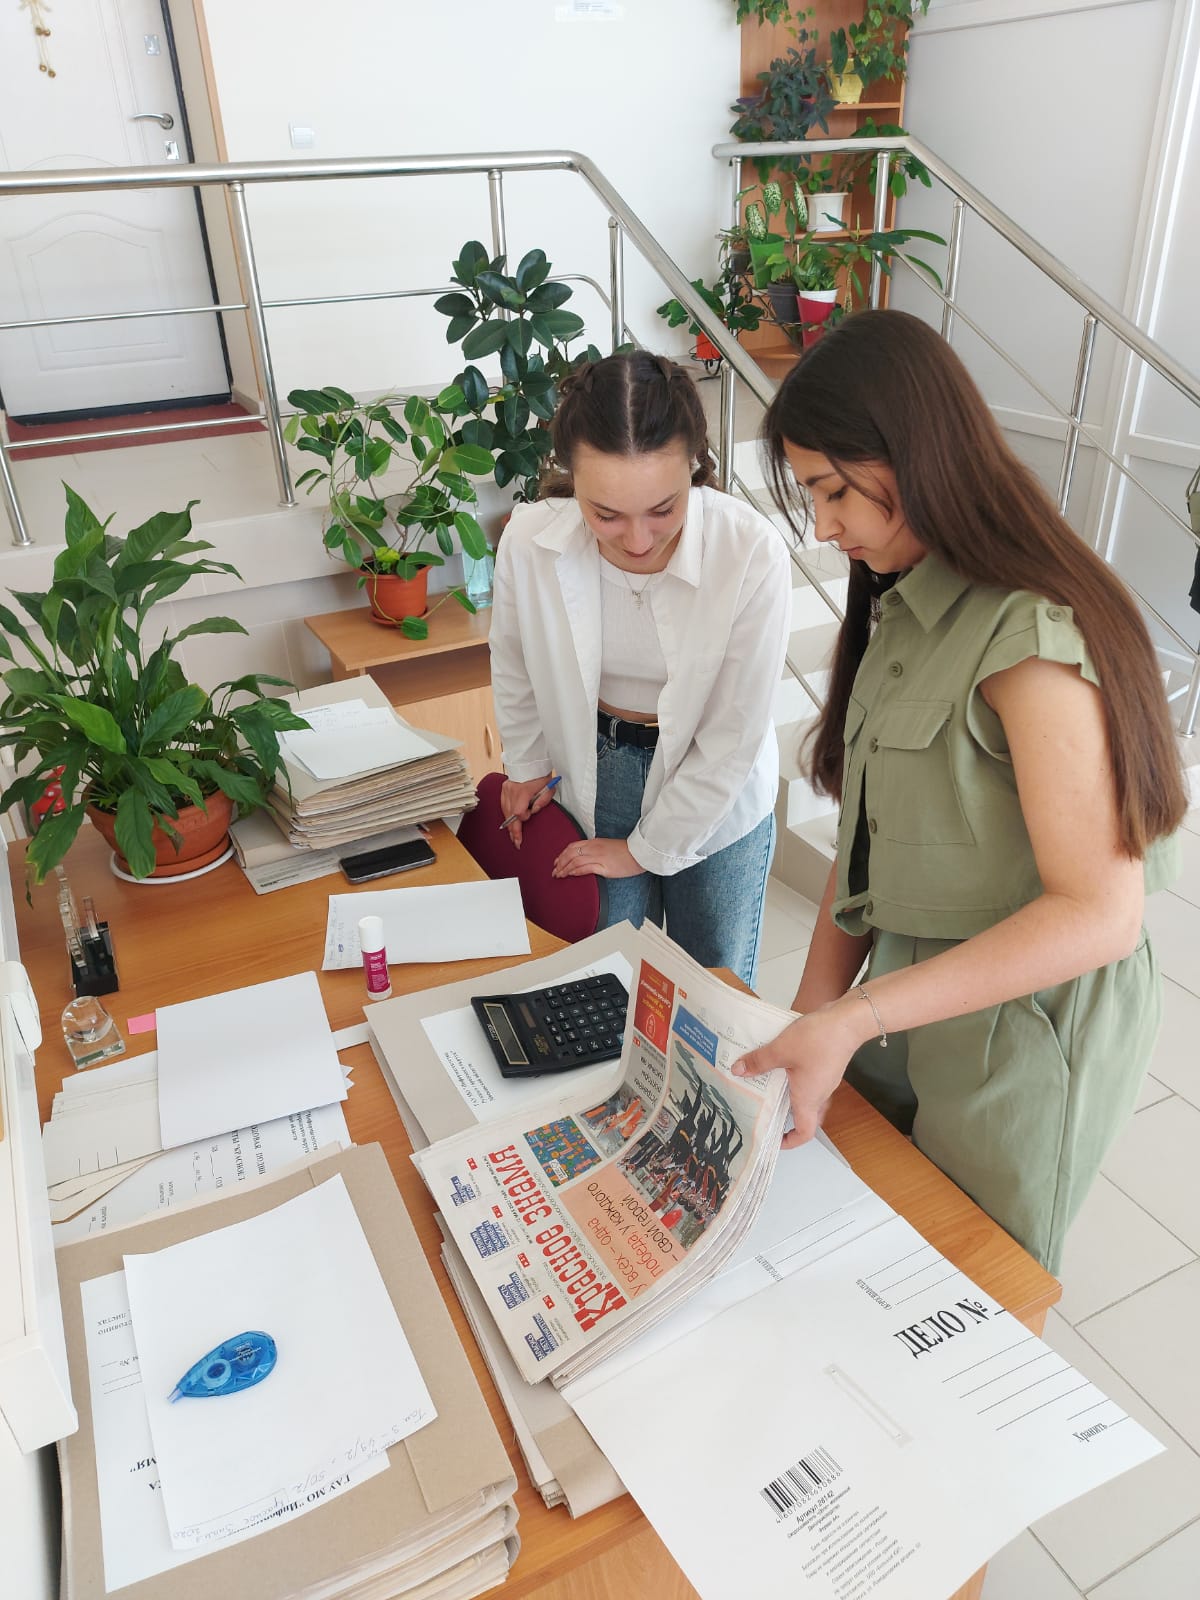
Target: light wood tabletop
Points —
{"points": [[180, 941]]}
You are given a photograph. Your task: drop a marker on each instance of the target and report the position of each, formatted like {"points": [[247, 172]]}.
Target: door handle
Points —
{"points": [[487, 740], [164, 118]]}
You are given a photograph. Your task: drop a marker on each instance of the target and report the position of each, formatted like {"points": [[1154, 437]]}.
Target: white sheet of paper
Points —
{"points": [[135, 1540], [346, 1385], [352, 737], [177, 1177], [113, 1075], [246, 1056], [464, 1052], [442, 922], [905, 1427], [89, 1141]]}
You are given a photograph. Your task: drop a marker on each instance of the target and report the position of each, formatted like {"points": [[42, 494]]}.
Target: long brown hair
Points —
{"points": [[884, 387], [627, 405]]}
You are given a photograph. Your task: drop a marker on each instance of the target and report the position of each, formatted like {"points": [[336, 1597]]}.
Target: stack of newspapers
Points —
{"points": [[418, 1500], [579, 1210], [359, 773]]}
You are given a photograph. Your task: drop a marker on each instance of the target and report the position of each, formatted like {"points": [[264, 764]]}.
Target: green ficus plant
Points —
{"points": [[107, 709], [519, 318]]}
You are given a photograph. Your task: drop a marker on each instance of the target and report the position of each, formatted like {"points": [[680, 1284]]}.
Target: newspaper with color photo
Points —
{"points": [[585, 1223]]}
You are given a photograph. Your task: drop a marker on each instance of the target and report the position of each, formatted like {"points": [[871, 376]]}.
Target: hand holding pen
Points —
{"points": [[516, 799]]}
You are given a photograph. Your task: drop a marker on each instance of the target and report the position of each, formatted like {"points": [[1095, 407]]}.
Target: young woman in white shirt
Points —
{"points": [[638, 631]]}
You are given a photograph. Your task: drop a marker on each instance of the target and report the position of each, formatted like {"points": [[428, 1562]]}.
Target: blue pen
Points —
{"points": [[545, 789], [235, 1364]]}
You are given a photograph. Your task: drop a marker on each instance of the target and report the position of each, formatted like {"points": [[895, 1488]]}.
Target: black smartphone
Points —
{"points": [[392, 858]]}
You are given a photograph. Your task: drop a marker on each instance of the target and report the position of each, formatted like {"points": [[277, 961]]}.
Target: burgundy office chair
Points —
{"points": [[571, 908]]}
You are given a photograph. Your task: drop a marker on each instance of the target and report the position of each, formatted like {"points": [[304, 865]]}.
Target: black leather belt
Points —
{"points": [[643, 735]]}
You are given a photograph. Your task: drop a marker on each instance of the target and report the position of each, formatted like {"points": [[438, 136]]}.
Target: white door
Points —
{"points": [[95, 252]]}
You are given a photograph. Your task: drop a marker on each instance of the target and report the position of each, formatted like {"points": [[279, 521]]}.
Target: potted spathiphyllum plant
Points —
{"points": [[158, 763], [392, 539]]}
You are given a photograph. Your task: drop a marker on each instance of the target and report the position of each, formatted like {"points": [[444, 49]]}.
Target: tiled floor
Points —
{"points": [[1130, 1313]]}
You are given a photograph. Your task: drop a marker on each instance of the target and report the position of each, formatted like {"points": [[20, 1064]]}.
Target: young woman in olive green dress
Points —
{"points": [[997, 735]]}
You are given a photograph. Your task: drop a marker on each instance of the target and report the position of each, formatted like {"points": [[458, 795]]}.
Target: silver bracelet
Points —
{"points": [[859, 989]]}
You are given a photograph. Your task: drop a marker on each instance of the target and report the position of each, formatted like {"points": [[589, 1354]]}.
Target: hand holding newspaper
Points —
{"points": [[585, 1223]]}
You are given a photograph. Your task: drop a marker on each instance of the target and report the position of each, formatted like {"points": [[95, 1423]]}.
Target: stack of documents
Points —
{"points": [[362, 770], [364, 1464], [242, 1084]]}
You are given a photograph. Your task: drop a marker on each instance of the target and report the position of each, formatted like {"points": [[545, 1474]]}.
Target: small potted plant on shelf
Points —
{"points": [[392, 539], [815, 275], [771, 253], [158, 763], [729, 301], [874, 48], [794, 98]]}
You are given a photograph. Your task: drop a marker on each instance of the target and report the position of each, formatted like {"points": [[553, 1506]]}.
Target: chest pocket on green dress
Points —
{"points": [[917, 799]]}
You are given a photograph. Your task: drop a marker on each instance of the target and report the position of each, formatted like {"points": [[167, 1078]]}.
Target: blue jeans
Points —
{"points": [[714, 909]]}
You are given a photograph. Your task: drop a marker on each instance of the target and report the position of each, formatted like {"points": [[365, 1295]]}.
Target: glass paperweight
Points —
{"points": [[90, 1032]]}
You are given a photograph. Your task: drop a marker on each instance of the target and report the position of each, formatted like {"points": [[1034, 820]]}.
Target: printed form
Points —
{"points": [[883, 1427]]}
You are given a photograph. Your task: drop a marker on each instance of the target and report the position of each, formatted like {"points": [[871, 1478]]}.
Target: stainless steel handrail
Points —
{"points": [[1098, 313], [1106, 314]]}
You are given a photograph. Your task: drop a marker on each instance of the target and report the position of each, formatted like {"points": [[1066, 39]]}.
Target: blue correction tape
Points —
{"points": [[237, 1363]]}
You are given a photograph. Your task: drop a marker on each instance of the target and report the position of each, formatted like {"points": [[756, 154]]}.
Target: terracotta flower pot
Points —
{"points": [[706, 350], [205, 836], [392, 599]]}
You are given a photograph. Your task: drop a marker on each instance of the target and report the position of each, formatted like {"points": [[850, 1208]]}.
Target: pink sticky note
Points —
{"points": [[143, 1024]]}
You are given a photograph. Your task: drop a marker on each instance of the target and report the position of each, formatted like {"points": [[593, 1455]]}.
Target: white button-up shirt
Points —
{"points": [[722, 610]]}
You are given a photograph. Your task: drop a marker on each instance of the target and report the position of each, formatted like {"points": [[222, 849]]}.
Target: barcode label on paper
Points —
{"points": [[793, 1487]]}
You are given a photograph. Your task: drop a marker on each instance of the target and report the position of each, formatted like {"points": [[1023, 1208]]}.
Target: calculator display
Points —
{"points": [[505, 1035]]}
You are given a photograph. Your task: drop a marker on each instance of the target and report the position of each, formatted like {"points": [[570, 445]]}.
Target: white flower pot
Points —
{"points": [[827, 212]]}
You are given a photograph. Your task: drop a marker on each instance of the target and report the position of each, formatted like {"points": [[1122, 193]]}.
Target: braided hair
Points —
{"points": [[627, 405]]}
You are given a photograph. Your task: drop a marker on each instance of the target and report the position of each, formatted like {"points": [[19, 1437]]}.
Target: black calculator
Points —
{"points": [[550, 1030]]}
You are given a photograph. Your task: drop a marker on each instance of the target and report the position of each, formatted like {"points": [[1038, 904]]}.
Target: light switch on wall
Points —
{"points": [[302, 136]]}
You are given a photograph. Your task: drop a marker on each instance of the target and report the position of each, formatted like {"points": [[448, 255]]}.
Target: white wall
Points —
{"points": [[644, 95], [1074, 118]]}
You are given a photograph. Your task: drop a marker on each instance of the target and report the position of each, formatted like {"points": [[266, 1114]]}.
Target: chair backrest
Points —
{"points": [[570, 908]]}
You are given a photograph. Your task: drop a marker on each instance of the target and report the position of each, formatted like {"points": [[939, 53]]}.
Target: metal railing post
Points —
{"points": [[496, 206], [616, 281], [11, 504], [1187, 722], [883, 165], [727, 399], [244, 246], [1082, 370], [953, 254]]}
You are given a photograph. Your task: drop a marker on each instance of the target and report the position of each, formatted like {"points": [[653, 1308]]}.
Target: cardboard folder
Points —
{"points": [[429, 1511]]}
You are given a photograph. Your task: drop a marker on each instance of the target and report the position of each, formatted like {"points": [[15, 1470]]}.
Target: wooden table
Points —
{"points": [[179, 941]]}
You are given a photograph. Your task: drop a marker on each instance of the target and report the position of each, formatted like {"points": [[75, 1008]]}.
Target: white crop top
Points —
{"points": [[633, 669]]}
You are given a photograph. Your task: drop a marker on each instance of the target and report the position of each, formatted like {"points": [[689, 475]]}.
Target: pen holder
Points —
{"points": [[97, 972]]}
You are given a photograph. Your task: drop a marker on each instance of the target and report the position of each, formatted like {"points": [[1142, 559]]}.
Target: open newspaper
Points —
{"points": [[584, 1223]]}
